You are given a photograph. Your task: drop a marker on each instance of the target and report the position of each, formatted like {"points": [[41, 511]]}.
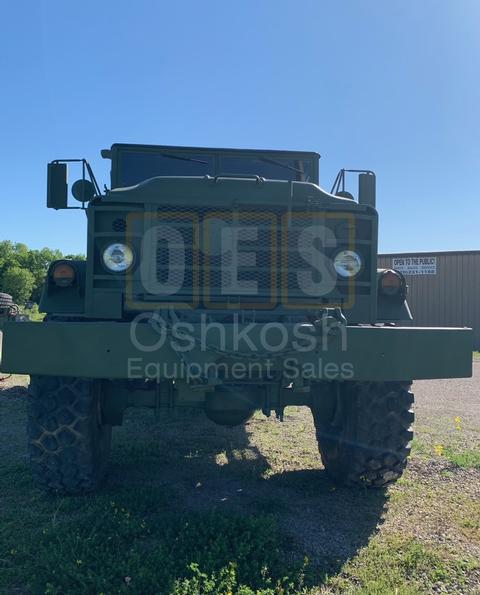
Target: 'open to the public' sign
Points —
{"points": [[415, 265]]}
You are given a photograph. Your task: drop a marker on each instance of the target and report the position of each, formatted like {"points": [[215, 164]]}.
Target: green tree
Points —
{"points": [[7, 256], [18, 283], [75, 256], [35, 262]]}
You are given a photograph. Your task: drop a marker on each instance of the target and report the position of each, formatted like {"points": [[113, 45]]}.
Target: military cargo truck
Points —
{"points": [[226, 280]]}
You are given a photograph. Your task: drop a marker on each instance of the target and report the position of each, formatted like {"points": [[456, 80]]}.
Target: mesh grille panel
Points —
{"points": [[298, 261]]}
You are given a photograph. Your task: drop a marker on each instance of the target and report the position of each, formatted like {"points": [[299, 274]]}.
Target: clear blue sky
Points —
{"points": [[392, 86]]}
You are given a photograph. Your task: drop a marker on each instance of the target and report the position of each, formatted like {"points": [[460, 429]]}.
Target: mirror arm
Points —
{"points": [[56, 170], [85, 165], [92, 177]]}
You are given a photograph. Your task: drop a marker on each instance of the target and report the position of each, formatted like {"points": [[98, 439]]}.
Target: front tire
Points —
{"points": [[364, 430], [68, 444]]}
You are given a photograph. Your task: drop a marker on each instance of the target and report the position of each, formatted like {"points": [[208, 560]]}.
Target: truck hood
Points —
{"points": [[231, 192]]}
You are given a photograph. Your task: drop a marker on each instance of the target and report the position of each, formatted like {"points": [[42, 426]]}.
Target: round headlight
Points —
{"points": [[347, 263], [118, 257]]}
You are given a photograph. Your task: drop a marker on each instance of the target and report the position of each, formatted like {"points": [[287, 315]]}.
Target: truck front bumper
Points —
{"points": [[111, 350]]}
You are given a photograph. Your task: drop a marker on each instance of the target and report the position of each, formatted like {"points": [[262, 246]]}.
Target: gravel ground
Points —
{"points": [[438, 403]]}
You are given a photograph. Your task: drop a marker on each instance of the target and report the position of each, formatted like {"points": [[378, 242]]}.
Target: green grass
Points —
{"points": [[33, 313], [419, 448], [460, 457], [401, 565], [133, 542], [467, 518], [466, 459]]}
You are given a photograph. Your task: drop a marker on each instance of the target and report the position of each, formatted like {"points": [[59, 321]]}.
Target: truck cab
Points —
{"points": [[197, 199], [133, 164]]}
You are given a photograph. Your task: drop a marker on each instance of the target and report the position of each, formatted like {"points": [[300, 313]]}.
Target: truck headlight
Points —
{"points": [[118, 258], [347, 263]]}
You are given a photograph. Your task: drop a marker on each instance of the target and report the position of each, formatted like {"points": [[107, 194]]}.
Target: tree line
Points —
{"points": [[23, 270]]}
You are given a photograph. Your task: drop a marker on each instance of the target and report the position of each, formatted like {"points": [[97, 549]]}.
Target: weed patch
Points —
{"points": [[466, 459], [119, 545]]}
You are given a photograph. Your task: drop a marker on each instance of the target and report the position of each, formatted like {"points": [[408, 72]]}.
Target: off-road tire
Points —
{"points": [[364, 430], [5, 300], [67, 442]]}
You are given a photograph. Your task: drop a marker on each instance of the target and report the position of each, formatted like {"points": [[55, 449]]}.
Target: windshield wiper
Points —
{"points": [[184, 158], [290, 167], [280, 164]]}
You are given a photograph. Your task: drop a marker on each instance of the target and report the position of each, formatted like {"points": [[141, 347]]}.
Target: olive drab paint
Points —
{"points": [[226, 280], [244, 243]]}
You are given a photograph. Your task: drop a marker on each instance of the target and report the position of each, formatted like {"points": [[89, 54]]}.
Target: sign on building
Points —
{"points": [[415, 265]]}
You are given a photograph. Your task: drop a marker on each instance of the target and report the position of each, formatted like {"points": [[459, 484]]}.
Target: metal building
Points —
{"points": [[444, 287]]}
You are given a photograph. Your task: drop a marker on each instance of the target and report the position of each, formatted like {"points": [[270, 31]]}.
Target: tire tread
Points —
{"points": [[373, 444], [68, 448]]}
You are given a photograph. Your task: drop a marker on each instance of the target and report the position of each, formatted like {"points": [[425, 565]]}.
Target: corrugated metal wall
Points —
{"points": [[451, 296]]}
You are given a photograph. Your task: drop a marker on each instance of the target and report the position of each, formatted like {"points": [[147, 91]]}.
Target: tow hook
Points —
{"points": [[330, 322]]}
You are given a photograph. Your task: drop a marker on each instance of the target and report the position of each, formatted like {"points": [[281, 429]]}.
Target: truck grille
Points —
{"points": [[271, 278]]}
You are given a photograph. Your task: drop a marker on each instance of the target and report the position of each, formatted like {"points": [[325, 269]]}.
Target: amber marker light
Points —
{"points": [[392, 283], [63, 274]]}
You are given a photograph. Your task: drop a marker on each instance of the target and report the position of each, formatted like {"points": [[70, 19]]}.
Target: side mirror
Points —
{"points": [[83, 190], [57, 189], [367, 189]]}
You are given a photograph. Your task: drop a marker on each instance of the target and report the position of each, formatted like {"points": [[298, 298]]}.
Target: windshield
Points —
{"points": [[138, 166]]}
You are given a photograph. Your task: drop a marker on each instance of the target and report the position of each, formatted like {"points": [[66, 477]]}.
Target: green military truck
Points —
{"points": [[226, 280]]}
